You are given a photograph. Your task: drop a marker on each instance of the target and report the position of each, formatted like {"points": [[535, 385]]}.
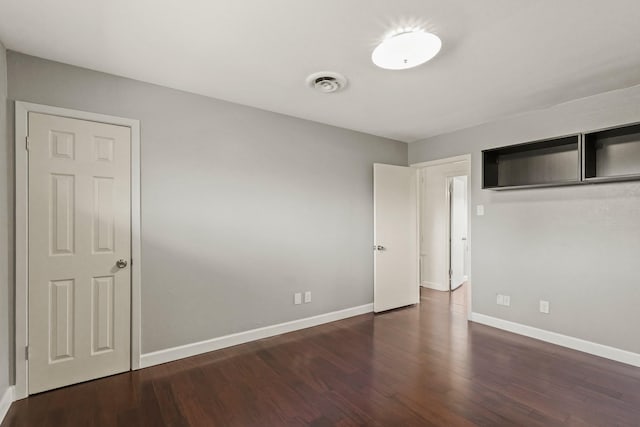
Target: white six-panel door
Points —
{"points": [[79, 228], [395, 237]]}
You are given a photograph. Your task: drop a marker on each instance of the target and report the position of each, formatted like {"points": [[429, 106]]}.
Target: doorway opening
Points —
{"points": [[458, 226], [444, 222]]}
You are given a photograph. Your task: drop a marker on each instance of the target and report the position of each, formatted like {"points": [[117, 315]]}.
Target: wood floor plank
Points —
{"points": [[419, 366]]}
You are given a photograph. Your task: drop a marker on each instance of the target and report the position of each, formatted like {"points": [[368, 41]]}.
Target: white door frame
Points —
{"points": [[22, 110], [467, 158]]}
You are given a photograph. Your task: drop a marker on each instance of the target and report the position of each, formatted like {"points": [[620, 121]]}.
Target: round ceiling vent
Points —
{"points": [[327, 81]]}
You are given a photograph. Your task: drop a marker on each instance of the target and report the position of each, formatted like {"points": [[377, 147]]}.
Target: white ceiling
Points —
{"points": [[499, 57]]}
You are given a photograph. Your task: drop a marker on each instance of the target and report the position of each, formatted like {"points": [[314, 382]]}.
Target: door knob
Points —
{"points": [[379, 248], [121, 263]]}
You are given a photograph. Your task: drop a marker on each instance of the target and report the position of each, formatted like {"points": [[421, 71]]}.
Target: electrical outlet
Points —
{"points": [[503, 300], [297, 298], [544, 307], [307, 297]]}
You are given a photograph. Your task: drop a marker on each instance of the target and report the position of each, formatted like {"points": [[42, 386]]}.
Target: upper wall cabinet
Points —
{"points": [[600, 156], [534, 164], [612, 154]]}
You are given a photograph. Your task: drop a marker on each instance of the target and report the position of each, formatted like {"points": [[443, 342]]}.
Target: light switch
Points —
{"points": [[544, 307], [480, 210]]}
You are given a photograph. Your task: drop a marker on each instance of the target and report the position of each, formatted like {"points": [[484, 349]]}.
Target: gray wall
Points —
{"points": [[577, 247], [6, 215], [240, 207]]}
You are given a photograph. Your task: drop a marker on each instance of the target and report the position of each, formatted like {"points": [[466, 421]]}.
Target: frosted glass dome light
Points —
{"points": [[406, 50]]}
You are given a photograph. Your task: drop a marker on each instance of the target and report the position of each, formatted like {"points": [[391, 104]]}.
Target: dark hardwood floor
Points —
{"points": [[419, 366]]}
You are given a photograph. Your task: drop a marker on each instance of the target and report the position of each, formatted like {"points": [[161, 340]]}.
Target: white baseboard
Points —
{"points": [[601, 350], [175, 353], [5, 402], [456, 287], [434, 285]]}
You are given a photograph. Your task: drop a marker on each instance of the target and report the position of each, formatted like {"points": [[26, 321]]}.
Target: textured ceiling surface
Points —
{"points": [[499, 57]]}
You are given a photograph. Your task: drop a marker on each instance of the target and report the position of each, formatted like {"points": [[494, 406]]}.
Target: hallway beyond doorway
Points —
{"points": [[456, 300]]}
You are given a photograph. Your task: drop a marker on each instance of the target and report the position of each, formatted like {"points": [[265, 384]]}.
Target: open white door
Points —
{"points": [[458, 222], [395, 237]]}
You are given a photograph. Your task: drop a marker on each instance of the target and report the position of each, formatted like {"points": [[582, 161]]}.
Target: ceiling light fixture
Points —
{"points": [[406, 49]]}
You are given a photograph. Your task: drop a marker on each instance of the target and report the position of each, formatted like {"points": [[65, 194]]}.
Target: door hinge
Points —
{"points": [[27, 138], [26, 353]]}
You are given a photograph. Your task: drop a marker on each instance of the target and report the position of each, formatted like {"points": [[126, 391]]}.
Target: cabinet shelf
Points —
{"points": [[544, 163], [612, 154], [607, 155]]}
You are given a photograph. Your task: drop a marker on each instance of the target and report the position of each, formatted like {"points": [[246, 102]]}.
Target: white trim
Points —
{"points": [[22, 252], [187, 350], [454, 159], [22, 110], [136, 247], [5, 402], [589, 347], [457, 287], [434, 285], [418, 271]]}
